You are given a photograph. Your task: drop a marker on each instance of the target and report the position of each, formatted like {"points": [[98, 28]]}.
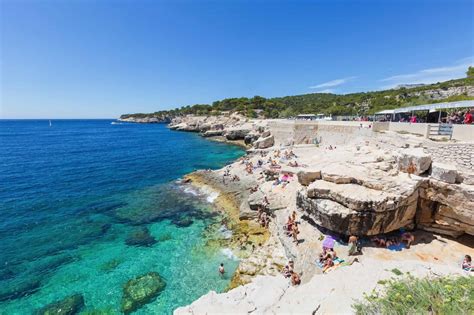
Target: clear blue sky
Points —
{"points": [[86, 59]]}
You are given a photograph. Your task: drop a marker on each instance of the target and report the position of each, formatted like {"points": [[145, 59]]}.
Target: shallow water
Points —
{"points": [[71, 194]]}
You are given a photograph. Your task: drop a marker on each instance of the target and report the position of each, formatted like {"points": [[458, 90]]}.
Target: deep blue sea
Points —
{"points": [[70, 196]]}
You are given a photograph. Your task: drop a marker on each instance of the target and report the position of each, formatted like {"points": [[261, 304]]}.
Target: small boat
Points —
{"points": [[50, 123]]}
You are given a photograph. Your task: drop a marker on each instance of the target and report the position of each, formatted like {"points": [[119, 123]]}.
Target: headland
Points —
{"points": [[409, 200]]}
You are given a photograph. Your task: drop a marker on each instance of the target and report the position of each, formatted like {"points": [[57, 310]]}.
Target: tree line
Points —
{"points": [[361, 104]]}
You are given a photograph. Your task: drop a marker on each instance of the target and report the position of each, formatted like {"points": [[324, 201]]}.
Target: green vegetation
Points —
{"points": [[470, 72], [364, 103], [409, 295]]}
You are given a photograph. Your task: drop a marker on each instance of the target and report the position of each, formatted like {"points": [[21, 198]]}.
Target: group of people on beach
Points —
{"points": [[405, 239]]}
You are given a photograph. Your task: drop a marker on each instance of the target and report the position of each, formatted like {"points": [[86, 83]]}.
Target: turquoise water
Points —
{"points": [[71, 194]]}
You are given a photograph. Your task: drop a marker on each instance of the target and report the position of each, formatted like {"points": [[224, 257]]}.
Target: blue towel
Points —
{"points": [[397, 248]]}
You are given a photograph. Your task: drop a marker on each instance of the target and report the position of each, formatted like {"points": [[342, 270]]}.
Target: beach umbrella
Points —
{"points": [[328, 242]]}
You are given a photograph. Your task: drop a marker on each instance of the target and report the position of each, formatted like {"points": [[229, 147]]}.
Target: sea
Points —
{"points": [[74, 194]]}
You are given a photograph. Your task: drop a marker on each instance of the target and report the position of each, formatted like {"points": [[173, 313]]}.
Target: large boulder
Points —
{"points": [[263, 143], [444, 172], [237, 133], [141, 290], [306, 176], [251, 137], [344, 220], [212, 133], [414, 161], [255, 200], [358, 209], [67, 306]]}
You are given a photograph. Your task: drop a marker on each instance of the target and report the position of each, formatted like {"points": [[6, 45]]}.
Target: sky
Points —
{"points": [[100, 59]]}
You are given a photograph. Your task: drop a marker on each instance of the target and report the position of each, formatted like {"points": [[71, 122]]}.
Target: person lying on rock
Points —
{"points": [[286, 271], [289, 226], [328, 263], [379, 241], [295, 279], [293, 164], [408, 239]]}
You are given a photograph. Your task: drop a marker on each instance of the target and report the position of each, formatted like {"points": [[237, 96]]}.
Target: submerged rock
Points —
{"points": [[141, 290], [182, 222], [15, 289], [140, 237], [67, 306]]}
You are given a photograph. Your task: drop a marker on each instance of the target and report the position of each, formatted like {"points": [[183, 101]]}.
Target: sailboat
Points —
{"points": [[50, 123]]}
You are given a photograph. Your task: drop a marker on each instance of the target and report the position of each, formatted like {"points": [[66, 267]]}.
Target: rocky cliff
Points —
{"points": [[231, 127]]}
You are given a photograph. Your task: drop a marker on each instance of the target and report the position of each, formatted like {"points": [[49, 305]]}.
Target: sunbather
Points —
{"points": [[467, 263], [295, 279]]}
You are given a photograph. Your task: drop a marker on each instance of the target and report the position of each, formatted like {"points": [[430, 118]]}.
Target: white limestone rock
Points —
{"points": [[306, 177], [413, 158], [444, 172], [263, 143]]}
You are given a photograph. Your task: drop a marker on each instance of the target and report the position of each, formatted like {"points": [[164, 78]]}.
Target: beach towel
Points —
{"points": [[397, 247]]}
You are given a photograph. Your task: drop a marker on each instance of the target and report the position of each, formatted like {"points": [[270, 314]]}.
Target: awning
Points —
{"points": [[386, 112], [435, 107]]}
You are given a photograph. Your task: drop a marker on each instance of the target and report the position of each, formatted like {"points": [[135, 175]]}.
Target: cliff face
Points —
{"points": [[232, 127], [440, 94]]}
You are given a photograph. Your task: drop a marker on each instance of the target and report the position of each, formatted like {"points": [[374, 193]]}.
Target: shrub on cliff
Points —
{"points": [[409, 295]]}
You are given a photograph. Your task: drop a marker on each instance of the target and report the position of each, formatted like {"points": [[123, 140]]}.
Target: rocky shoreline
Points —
{"points": [[368, 186]]}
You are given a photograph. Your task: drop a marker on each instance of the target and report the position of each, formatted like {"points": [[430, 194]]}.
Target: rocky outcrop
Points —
{"points": [[141, 290], [145, 119], [353, 209], [67, 306], [439, 94], [232, 127], [446, 208], [444, 172], [306, 177], [237, 133], [264, 143], [414, 161], [213, 133]]}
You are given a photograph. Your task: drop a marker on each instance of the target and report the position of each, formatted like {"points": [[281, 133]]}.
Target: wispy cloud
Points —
{"points": [[326, 91], [431, 75], [332, 83]]}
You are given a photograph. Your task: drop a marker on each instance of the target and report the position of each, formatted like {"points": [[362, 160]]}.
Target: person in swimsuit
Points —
{"points": [[295, 279], [293, 216], [467, 263], [221, 270]]}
